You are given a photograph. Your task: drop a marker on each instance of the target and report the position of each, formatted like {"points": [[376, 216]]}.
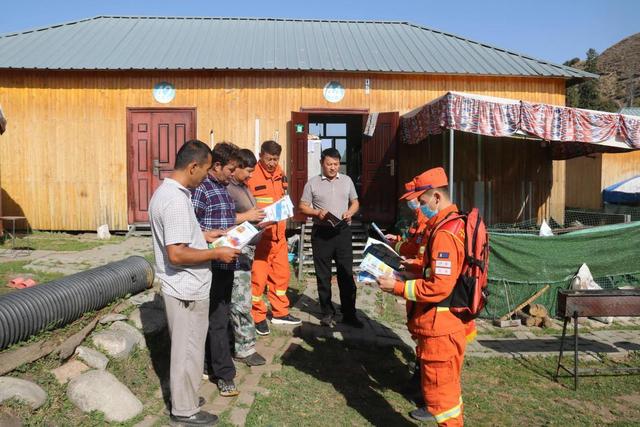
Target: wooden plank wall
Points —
{"points": [[584, 182], [618, 167], [509, 180], [63, 157], [588, 176]]}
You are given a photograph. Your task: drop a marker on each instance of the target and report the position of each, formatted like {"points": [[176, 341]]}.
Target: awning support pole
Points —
{"points": [[451, 152]]}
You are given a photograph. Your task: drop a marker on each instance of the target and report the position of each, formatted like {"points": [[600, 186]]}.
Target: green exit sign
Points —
{"points": [[299, 128]]}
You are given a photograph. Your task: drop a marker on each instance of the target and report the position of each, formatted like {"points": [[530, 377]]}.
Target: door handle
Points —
{"points": [[392, 167], [156, 167]]}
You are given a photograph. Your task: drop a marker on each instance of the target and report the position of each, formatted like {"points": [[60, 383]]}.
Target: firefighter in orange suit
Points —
{"points": [[412, 247], [270, 267], [440, 334]]}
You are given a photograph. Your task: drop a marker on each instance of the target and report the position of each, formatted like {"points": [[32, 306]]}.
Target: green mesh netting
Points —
{"points": [[521, 264]]}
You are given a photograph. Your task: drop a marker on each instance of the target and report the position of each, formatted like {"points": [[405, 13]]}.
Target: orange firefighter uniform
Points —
{"points": [[412, 247], [440, 333], [271, 264]]}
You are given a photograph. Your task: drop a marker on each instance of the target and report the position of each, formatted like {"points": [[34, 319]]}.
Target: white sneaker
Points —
{"points": [[286, 320]]}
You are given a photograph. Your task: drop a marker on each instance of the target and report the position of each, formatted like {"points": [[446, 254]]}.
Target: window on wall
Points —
{"points": [[333, 135]]}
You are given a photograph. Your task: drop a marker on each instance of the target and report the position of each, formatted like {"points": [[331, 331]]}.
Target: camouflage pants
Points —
{"points": [[244, 331]]}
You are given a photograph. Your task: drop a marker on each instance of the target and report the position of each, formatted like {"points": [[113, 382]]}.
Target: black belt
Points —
{"points": [[326, 228]]}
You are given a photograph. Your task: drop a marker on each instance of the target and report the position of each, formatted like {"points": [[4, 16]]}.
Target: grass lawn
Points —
{"points": [[49, 241], [328, 382], [331, 382], [137, 372], [12, 269]]}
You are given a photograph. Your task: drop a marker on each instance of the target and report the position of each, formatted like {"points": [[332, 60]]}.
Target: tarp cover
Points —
{"points": [[572, 132], [521, 264], [625, 192]]}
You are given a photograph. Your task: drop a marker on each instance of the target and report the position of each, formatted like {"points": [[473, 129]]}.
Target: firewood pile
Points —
{"points": [[535, 315]]}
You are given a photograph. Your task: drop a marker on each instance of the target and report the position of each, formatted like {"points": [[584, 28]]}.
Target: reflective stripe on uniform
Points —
{"points": [[451, 413], [410, 290], [256, 298], [438, 309], [471, 336], [264, 199], [398, 245], [281, 292]]}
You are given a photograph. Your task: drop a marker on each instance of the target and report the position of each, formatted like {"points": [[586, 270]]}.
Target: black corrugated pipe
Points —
{"points": [[54, 304]]}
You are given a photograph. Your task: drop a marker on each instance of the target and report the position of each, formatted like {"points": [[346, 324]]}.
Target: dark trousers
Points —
{"points": [[329, 244], [218, 359]]}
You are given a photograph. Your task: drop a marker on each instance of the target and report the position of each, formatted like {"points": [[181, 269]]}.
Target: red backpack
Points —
{"points": [[470, 293]]}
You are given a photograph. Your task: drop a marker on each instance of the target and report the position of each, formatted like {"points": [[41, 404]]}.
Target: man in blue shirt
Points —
{"points": [[215, 210]]}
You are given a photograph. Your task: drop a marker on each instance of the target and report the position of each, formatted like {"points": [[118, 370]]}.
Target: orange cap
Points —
{"points": [[432, 178]]}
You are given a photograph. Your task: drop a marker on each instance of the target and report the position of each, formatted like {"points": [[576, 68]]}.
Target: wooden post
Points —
{"points": [[301, 252]]}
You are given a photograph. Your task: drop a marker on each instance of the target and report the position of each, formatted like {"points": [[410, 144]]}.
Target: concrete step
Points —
{"points": [[355, 244], [356, 262], [354, 231], [357, 235], [311, 271]]}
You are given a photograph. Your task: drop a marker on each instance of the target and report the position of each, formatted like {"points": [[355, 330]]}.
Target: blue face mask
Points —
{"points": [[426, 211], [413, 204]]}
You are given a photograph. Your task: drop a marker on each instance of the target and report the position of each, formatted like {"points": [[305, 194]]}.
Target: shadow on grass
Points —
{"points": [[158, 343], [373, 379], [362, 374]]}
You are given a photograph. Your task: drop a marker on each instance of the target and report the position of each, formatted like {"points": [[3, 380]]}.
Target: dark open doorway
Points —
{"points": [[370, 161], [344, 133]]}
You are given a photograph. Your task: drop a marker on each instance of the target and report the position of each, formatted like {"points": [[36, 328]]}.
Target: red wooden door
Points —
{"points": [[155, 136], [299, 132], [378, 200]]}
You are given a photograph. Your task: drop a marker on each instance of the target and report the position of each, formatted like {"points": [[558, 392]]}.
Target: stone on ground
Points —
{"points": [[8, 420], [69, 370], [25, 391], [149, 318], [101, 391], [92, 357], [112, 317], [114, 343], [130, 332], [142, 298]]}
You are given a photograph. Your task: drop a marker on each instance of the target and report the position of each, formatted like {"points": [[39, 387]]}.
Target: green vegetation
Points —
{"points": [[589, 93], [327, 382], [389, 311], [50, 241], [12, 269]]}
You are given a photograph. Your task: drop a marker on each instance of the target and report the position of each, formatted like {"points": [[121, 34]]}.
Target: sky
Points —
{"points": [[552, 30]]}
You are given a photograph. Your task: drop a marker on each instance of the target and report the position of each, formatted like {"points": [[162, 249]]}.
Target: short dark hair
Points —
{"points": [[271, 147], [246, 159], [192, 151], [225, 152], [330, 152]]}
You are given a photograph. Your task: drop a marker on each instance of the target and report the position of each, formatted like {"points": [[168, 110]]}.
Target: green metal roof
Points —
{"points": [[199, 43]]}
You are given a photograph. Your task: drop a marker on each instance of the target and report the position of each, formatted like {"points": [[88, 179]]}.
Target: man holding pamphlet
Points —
{"points": [[244, 330], [216, 210], [270, 270], [182, 265], [331, 200]]}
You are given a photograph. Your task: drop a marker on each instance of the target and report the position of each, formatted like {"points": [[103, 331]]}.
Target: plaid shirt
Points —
{"points": [[215, 210]]}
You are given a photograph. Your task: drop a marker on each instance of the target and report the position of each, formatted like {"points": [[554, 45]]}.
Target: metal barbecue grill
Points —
{"points": [[593, 303]]}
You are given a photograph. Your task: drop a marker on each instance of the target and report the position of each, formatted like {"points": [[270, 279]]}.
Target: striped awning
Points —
{"points": [[572, 132]]}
